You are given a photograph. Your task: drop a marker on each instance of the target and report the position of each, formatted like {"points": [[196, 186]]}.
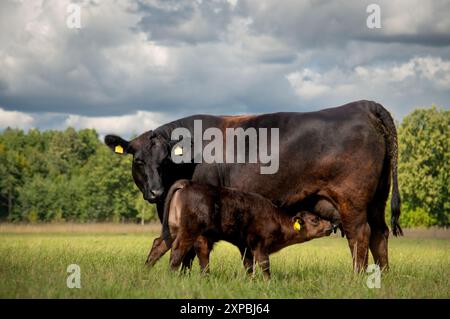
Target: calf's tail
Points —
{"points": [[391, 138], [175, 187]]}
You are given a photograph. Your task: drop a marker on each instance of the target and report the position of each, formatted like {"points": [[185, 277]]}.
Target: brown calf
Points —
{"points": [[198, 215]]}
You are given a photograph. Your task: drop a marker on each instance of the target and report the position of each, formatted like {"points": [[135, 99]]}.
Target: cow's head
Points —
{"points": [[150, 152]]}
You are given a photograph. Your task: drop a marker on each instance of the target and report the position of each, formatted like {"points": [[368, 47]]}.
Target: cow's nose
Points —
{"points": [[156, 192], [335, 227], [147, 196]]}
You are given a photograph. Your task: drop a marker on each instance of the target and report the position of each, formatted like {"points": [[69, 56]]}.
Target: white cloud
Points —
{"points": [[232, 3], [137, 123], [124, 125], [435, 70], [414, 16], [420, 73], [432, 71], [15, 119], [307, 84]]}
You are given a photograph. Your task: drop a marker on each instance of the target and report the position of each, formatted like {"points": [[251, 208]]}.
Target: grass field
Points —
{"points": [[34, 259]]}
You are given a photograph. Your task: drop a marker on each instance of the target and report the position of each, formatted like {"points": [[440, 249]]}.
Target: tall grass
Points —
{"points": [[33, 265]]}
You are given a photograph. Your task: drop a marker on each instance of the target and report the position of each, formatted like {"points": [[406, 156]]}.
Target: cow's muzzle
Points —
{"points": [[335, 228], [153, 195]]}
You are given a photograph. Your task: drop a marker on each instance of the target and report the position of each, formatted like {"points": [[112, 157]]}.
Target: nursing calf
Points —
{"points": [[198, 215]]}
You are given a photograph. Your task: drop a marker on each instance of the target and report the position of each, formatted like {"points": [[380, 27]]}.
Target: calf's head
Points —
{"points": [[312, 226], [150, 152]]}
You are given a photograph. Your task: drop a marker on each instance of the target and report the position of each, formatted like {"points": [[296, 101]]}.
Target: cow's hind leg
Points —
{"points": [[379, 231], [379, 247], [159, 248], [379, 234], [357, 230]]}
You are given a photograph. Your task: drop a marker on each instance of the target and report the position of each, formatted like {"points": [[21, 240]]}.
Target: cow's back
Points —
{"points": [[316, 150]]}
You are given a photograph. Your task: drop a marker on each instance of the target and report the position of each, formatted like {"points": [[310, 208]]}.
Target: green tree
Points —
{"points": [[13, 164], [146, 211], [424, 166], [108, 188]]}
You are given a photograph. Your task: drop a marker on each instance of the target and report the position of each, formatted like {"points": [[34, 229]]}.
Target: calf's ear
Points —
{"points": [[117, 144], [300, 217]]}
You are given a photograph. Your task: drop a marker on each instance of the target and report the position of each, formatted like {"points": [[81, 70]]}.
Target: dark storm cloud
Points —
{"points": [[334, 23], [191, 22], [434, 40]]}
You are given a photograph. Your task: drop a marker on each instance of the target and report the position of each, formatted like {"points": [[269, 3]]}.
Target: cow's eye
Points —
{"points": [[139, 163]]}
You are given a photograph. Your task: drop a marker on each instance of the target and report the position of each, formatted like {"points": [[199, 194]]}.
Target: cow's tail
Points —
{"points": [[175, 187], [392, 144]]}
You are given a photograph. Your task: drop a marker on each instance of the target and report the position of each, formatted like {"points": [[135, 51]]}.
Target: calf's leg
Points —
{"points": [[202, 249], [186, 264], [247, 259], [180, 247], [159, 248], [263, 261]]}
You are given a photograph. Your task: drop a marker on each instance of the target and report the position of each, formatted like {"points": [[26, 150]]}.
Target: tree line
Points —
{"points": [[66, 176], [58, 176]]}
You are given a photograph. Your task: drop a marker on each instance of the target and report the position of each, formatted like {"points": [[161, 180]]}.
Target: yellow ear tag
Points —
{"points": [[178, 151], [118, 149], [297, 225]]}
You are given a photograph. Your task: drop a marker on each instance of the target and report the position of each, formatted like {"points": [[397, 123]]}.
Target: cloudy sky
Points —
{"points": [[134, 65]]}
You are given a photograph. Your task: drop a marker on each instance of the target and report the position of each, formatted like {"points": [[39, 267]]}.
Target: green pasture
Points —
{"points": [[34, 265]]}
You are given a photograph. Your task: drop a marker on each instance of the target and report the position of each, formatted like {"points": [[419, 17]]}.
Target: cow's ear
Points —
{"points": [[117, 144]]}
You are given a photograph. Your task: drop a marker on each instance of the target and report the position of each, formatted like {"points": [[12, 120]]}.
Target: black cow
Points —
{"points": [[343, 155]]}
